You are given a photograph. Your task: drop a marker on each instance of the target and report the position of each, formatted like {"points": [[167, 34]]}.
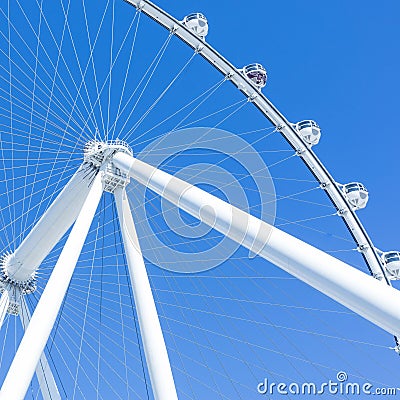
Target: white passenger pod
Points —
{"points": [[391, 259], [357, 194], [309, 131], [256, 73], [197, 22]]}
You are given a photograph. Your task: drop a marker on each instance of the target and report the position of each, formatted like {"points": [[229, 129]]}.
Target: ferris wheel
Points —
{"points": [[94, 176]]}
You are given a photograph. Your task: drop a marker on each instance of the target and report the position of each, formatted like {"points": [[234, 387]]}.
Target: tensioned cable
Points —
{"points": [[21, 105], [59, 55], [133, 307], [82, 73], [128, 69], [208, 93], [11, 113], [55, 86], [158, 99], [107, 78], [111, 69], [152, 67], [31, 113]]}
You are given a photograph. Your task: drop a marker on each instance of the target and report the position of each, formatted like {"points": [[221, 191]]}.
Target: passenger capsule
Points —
{"points": [[391, 259], [257, 74], [356, 194], [309, 131], [197, 22]]}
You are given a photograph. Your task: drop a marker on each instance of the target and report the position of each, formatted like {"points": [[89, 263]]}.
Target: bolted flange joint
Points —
{"points": [[99, 154], [25, 287]]}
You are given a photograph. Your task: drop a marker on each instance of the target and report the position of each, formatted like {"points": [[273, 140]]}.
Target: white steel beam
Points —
{"points": [[47, 383], [51, 227], [32, 344], [368, 297], [4, 302], [155, 350]]}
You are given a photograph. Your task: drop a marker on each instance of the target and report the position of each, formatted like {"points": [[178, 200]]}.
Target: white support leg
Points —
{"points": [[51, 227], [155, 350], [4, 302], [368, 297], [47, 383], [32, 344]]}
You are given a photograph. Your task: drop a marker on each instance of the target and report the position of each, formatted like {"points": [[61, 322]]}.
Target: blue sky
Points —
{"points": [[337, 63], [228, 328]]}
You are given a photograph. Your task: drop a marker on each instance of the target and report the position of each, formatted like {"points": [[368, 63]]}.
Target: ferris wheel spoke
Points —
{"points": [[142, 118], [91, 61], [207, 94], [111, 68], [82, 72], [223, 370], [24, 217], [126, 75], [43, 48], [179, 124], [39, 102], [107, 79], [243, 295], [239, 104], [67, 339], [149, 74], [51, 90], [75, 327], [10, 197], [31, 115]]}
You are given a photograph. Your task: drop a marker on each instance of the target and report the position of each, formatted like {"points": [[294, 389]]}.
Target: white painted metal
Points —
{"points": [[357, 194], [155, 350], [47, 383], [32, 344], [197, 22], [337, 197], [309, 131], [257, 74], [54, 223], [4, 302], [391, 260], [368, 297]]}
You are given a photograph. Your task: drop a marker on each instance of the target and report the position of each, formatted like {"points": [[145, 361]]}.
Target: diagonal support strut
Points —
{"points": [[155, 350], [36, 335], [357, 291]]}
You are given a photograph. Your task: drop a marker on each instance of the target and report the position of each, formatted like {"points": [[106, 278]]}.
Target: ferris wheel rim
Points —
{"points": [[353, 224]]}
